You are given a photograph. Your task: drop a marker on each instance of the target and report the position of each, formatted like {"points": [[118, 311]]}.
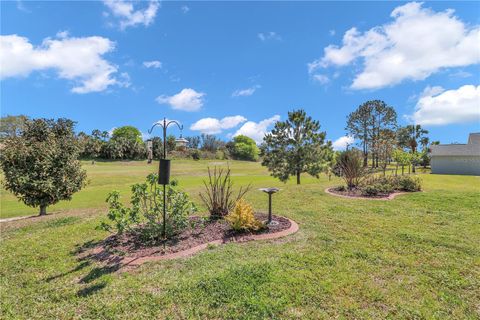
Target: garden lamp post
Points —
{"points": [[270, 191], [164, 166]]}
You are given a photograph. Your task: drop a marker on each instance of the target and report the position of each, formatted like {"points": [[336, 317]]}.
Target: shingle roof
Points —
{"points": [[472, 148]]}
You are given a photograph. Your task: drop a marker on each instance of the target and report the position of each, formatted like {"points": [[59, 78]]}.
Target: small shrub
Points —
{"points": [[377, 189], [242, 218], [195, 154], [409, 183], [145, 216], [218, 196]]}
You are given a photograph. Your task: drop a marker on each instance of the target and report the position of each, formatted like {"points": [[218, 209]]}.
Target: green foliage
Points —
{"points": [[350, 168], [130, 133], [145, 215], [408, 183], [244, 148], [218, 193], [242, 218], [41, 164], [11, 126], [295, 146], [195, 154], [374, 186]]}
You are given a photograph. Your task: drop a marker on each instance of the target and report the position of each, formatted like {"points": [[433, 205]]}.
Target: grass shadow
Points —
{"points": [[85, 292]]}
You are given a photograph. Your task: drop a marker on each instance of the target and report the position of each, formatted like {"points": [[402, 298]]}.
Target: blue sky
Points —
{"points": [[236, 67]]}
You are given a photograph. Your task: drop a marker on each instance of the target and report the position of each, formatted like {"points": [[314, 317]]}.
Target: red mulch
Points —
{"points": [[129, 245]]}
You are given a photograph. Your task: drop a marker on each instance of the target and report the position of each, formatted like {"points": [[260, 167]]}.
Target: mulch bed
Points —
{"points": [[357, 193], [128, 247]]}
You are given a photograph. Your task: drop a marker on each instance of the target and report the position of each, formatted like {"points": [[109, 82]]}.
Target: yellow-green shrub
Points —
{"points": [[242, 217]]}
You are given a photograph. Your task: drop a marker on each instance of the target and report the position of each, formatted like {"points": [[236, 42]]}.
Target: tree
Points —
{"points": [[11, 126], [401, 158], [244, 148], [41, 165], [366, 123], [384, 121], [193, 142], [384, 148], [295, 146], [410, 137], [359, 124], [210, 142], [130, 133]]}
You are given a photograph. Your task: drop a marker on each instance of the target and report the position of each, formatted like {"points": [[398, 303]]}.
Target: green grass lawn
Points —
{"points": [[415, 257]]}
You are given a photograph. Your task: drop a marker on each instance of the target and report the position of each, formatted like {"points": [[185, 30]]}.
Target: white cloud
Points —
{"points": [[128, 16], [76, 59], [265, 36], [342, 143], [461, 74], [21, 6], [184, 9], [331, 32], [152, 64], [256, 131], [186, 100], [446, 107], [321, 78], [245, 92], [214, 126], [417, 43]]}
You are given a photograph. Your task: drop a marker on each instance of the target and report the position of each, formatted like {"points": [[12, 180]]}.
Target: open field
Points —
{"points": [[417, 256]]}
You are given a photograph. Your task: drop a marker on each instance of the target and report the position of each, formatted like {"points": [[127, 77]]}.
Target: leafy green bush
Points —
{"points": [[408, 183], [243, 148], [40, 165], [195, 154], [377, 189], [374, 186], [242, 217], [145, 216]]}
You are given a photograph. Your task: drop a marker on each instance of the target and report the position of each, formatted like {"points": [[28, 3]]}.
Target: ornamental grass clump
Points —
{"points": [[218, 195], [350, 168], [242, 218]]}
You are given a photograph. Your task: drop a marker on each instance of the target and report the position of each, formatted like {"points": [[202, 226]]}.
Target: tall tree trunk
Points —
{"points": [[365, 154], [413, 168], [298, 176], [43, 210]]}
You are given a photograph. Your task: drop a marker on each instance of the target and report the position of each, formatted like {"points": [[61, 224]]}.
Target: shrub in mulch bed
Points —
{"points": [[380, 187], [200, 231]]}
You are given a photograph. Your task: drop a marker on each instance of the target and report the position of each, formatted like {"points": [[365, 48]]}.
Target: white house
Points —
{"points": [[457, 158]]}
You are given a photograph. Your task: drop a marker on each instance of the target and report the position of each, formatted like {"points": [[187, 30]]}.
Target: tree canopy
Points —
{"points": [[244, 148], [41, 165], [11, 126], [369, 123], [129, 133], [295, 146]]}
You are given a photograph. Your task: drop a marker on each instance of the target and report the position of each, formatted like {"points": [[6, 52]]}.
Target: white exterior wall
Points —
{"points": [[465, 165]]}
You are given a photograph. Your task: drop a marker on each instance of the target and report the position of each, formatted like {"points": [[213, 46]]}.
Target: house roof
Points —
{"points": [[472, 148]]}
